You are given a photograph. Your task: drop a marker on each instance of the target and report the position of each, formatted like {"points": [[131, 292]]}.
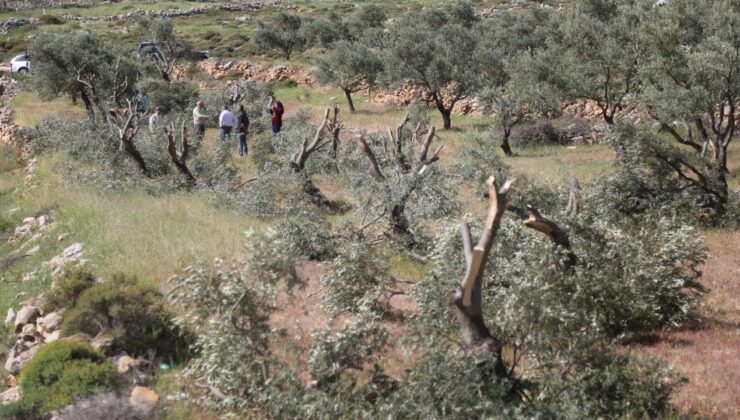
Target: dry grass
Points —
{"points": [[708, 352], [30, 110]]}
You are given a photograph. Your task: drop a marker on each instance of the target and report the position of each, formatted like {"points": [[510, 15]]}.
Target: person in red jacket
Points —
{"points": [[276, 110]]}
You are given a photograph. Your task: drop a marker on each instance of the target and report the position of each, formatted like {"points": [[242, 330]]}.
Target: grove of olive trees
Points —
{"points": [[389, 269]]}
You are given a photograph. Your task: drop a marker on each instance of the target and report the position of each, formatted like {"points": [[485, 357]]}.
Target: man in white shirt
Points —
{"points": [[226, 122], [200, 118]]}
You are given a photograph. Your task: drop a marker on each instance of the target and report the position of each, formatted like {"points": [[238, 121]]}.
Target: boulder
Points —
{"points": [[10, 395], [50, 338], [124, 364], [30, 276], [51, 322], [29, 330], [25, 315], [10, 317], [20, 354], [33, 251], [143, 399], [103, 341], [78, 338], [42, 220]]}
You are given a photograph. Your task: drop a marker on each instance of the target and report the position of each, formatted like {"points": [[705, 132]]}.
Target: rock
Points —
{"points": [[50, 338], [30, 276], [10, 317], [33, 251], [26, 315], [124, 364], [29, 221], [103, 341], [29, 330], [78, 338], [73, 250], [42, 220], [20, 354], [51, 322], [143, 398], [10, 395], [72, 254]]}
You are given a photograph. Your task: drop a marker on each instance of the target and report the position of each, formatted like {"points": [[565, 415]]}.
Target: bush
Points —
{"points": [[68, 288], [51, 20], [136, 316], [18, 410], [62, 371], [177, 96], [539, 134]]}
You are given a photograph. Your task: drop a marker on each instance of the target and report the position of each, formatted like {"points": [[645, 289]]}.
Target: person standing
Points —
{"points": [[155, 121], [199, 120], [242, 129], [143, 104], [226, 122], [276, 110]]}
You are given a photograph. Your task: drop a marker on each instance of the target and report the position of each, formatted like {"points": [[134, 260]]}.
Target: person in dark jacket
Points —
{"points": [[242, 129], [276, 110]]}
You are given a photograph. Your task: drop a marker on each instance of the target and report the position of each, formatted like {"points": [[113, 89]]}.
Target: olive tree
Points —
{"points": [[79, 65], [284, 34], [692, 81], [518, 99], [595, 52], [349, 65], [442, 53]]}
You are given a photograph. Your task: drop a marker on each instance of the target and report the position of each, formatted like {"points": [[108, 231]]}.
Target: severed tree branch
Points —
{"points": [[179, 158], [374, 166], [468, 298]]}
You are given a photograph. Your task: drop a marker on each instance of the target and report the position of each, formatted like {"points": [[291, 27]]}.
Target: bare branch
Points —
{"points": [[374, 166]]}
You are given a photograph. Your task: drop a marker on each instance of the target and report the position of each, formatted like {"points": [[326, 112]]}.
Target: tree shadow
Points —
{"points": [[669, 336]]}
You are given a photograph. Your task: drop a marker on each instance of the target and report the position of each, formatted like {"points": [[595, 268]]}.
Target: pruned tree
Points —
{"points": [[125, 121], [179, 158], [407, 170], [326, 134], [349, 65], [329, 127], [468, 300]]}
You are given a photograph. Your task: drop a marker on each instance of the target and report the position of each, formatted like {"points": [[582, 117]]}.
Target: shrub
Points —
{"points": [[62, 371], [539, 134], [51, 20], [18, 410], [68, 288], [177, 96], [136, 316]]}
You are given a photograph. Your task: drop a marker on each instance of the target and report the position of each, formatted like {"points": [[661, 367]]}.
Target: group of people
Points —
{"points": [[228, 121]]}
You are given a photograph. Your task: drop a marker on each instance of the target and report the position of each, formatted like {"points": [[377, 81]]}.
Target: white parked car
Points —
{"points": [[20, 64]]}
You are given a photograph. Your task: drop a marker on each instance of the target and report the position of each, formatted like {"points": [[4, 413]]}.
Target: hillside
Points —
{"points": [[256, 286]]}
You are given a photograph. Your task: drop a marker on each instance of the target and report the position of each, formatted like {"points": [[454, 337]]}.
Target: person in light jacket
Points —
{"points": [[199, 120]]}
